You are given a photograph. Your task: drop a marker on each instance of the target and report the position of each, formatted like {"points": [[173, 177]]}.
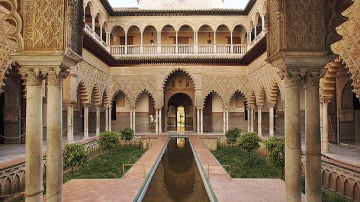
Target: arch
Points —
{"points": [[88, 13], [147, 27], [89, 4], [117, 35], [256, 19], [186, 101], [325, 178], [84, 96], [261, 98], [168, 34], [205, 35], [105, 99], [214, 92], [119, 92], [141, 93], [167, 27], [223, 28], [239, 34], [133, 29], [185, 27], [348, 188], [240, 92], [95, 96], [274, 91], [205, 28], [252, 99], [339, 187], [16, 186], [7, 186], [356, 191], [178, 70]]}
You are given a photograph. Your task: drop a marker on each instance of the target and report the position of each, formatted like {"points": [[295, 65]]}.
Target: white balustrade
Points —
{"points": [[185, 49], [168, 49], [150, 49], [223, 48], [117, 50], [133, 49], [205, 49]]}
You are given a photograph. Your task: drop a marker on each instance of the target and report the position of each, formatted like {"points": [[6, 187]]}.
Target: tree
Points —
{"points": [[232, 135], [249, 142], [74, 155], [109, 140], [126, 133], [276, 152]]}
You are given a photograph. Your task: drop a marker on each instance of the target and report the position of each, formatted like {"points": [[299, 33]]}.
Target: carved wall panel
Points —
{"points": [[43, 25]]}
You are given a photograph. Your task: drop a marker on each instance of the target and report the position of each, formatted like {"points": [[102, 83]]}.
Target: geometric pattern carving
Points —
{"points": [[43, 24]]}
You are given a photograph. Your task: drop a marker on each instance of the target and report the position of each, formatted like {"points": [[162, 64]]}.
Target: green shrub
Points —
{"points": [[126, 133], [109, 140], [249, 142], [276, 152], [232, 135], [74, 155]]}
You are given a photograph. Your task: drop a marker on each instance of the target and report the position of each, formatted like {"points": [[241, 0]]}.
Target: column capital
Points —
{"points": [[55, 75], [85, 104], [325, 100], [291, 76], [312, 75], [199, 107], [32, 75]]}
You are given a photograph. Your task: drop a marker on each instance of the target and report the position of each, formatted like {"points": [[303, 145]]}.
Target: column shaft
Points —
{"points": [[70, 123], [292, 142], [106, 118], [109, 119], [198, 120], [86, 121], [259, 121], [271, 121], [97, 120], [33, 144], [157, 121], [54, 159], [325, 135], [312, 141], [249, 117], [201, 121], [160, 122], [134, 121]]}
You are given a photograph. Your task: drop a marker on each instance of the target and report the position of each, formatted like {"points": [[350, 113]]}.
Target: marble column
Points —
{"points": [[34, 134], [259, 121], [325, 123], [86, 120], [54, 159], [271, 121], [131, 119], [292, 137], [157, 121], [252, 119], [109, 119], [97, 120], [248, 116], [70, 123], [227, 118], [198, 120], [312, 137], [224, 121], [201, 120], [106, 118], [160, 122]]}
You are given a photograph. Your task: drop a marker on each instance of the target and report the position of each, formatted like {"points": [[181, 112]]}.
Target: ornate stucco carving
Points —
{"points": [[10, 36], [349, 47], [43, 25]]}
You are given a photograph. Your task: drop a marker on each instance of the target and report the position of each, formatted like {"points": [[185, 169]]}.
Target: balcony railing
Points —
{"points": [[180, 49]]}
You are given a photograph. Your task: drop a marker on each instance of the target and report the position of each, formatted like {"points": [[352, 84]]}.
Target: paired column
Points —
{"points": [[292, 137], [70, 123], [97, 120], [259, 120], [34, 133], [157, 121], [86, 120], [248, 116], [252, 118], [160, 121], [54, 165], [325, 125], [312, 137]]}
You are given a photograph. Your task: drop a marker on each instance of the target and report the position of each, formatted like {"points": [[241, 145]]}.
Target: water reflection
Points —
{"points": [[177, 178]]}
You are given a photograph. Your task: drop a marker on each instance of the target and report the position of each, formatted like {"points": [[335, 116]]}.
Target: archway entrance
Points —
{"points": [[180, 113], [179, 96]]}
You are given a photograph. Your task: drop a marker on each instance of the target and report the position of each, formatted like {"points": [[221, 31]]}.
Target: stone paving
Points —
{"points": [[123, 189]]}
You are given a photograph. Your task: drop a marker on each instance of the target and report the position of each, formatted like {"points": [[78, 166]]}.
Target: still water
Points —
{"points": [[177, 177]]}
